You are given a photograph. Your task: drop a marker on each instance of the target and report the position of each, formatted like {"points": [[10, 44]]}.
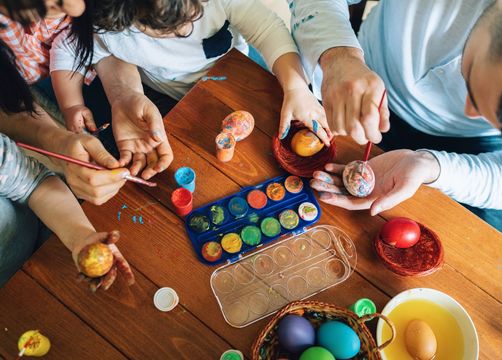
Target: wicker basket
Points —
{"points": [[266, 346]]}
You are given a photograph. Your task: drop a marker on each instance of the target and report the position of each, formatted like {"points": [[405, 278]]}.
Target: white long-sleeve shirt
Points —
{"points": [[172, 65], [415, 46]]}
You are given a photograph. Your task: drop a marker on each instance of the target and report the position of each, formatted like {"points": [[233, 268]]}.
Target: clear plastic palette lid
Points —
{"points": [[291, 269]]}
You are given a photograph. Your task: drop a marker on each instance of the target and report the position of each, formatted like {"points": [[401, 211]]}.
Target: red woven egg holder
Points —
{"points": [[295, 164], [423, 258]]}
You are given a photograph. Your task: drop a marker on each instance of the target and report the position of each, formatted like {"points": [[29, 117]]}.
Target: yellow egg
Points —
{"points": [[306, 143], [420, 340], [34, 343]]}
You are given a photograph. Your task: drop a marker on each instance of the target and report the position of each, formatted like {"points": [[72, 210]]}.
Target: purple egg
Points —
{"points": [[295, 333]]}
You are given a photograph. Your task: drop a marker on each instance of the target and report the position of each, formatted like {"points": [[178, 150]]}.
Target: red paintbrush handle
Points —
{"points": [[368, 145]]}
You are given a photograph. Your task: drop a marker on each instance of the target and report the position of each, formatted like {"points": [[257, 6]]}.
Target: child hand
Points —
{"points": [[78, 118], [119, 262], [300, 104]]}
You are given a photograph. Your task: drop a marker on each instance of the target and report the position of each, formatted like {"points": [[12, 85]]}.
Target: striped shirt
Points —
{"points": [[31, 45]]}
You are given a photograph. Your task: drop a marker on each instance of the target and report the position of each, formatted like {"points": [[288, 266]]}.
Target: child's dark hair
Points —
{"points": [[15, 95], [25, 11], [164, 16]]}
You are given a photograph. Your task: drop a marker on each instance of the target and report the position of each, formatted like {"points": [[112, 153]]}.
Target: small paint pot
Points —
{"points": [[257, 199], [199, 223], [185, 177], [363, 307], [182, 200], [231, 243], [293, 184], [308, 211], [217, 214], [166, 299], [225, 147], [276, 192], [251, 235], [289, 219], [211, 251], [270, 227], [238, 207]]}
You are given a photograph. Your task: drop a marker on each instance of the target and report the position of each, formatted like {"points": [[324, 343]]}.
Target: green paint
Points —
{"points": [[199, 223], [251, 235], [217, 215], [270, 227]]}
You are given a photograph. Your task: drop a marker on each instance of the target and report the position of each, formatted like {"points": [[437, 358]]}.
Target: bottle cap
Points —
{"points": [[363, 307], [165, 299], [232, 355]]}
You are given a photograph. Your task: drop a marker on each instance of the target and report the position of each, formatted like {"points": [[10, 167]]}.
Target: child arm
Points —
{"points": [[68, 83], [272, 38]]}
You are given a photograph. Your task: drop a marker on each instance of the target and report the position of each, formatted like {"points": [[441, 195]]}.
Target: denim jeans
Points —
{"points": [[404, 136]]}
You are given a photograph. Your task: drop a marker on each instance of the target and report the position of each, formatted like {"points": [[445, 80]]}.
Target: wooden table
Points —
{"points": [[123, 323]]}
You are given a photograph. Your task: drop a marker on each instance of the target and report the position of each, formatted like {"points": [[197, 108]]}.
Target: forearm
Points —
{"points": [[119, 78], [68, 88], [56, 206], [332, 59], [289, 72]]}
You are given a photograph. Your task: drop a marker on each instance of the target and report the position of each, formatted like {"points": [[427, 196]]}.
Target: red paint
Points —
{"points": [[182, 200], [257, 199], [400, 232]]}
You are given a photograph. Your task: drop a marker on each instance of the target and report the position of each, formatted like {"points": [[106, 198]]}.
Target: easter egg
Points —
{"points": [[295, 333], [420, 340], [239, 123], [358, 178], [400, 232], [316, 353], [95, 260], [306, 143], [339, 339], [34, 343]]}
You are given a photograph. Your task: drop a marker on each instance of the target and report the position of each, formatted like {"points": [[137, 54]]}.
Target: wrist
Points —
{"points": [[338, 55], [430, 164], [78, 238]]}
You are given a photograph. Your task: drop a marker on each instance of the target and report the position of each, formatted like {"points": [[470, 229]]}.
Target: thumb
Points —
{"points": [[99, 154], [285, 124], [89, 120], [401, 191]]}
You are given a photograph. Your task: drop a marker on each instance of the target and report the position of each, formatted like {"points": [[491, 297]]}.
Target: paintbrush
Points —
{"points": [[368, 145], [101, 128], [83, 163]]}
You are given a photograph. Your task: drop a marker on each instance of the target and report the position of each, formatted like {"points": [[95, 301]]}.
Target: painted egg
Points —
{"points": [[295, 333], [239, 123], [211, 251], [34, 343], [358, 178], [400, 232], [306, 143], [339, 339], [316, 353], [420, 340], [95, 260]]}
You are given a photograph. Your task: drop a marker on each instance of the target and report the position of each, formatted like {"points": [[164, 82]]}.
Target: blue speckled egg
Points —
{"points": [[339, 339], [295, 333]]}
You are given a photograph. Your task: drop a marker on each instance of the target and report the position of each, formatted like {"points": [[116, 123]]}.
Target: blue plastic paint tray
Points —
{"points": [[234, 223]]}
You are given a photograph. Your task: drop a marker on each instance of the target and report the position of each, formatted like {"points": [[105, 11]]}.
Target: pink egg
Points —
{"points": [[239, 123]]}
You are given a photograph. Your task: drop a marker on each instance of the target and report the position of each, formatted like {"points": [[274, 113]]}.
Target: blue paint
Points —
{"points": [[185, 177], [315, 126], [118, 216], [141, 220], [286, 132], [215, 78], [302, 21], [124, 206], [134, 219]]}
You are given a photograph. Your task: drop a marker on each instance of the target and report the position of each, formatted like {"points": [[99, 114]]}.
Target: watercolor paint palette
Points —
{"points": [[292, 269], [224, 230]]}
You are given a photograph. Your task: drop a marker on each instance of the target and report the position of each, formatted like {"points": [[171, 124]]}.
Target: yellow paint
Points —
{"points": [[39, 345], [450, 343]]}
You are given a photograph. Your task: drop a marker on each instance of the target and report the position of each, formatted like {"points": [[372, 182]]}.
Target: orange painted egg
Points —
{"points": [[95, 260], [306, 143], [239, 123]]}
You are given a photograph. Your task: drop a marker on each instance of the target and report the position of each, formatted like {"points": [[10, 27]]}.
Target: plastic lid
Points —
{"points": [[165, 299], [363, 307], [292, 269], [232, 355]]}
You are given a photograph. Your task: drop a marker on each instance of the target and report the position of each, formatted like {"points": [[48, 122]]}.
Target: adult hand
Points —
{"points": [[351, 94], [300, 104], [140, 135], [398, 175], [78, 118], [119, 262], [95, 186]]}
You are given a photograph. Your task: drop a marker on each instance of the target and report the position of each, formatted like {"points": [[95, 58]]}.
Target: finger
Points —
{"points": [[401, 191], [125, 157], [165, 156], [334, 168], [318, 127], [154, 121], [138, 163], [285, 124], [339, 119], [325, 187], [122, 264], [94, 284], [99, 154], [109, 278], [89, 120], [327, 178], [97, 178], [111, 238], [345, 201], [370, 116], [352, 121], [385, 116]]}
